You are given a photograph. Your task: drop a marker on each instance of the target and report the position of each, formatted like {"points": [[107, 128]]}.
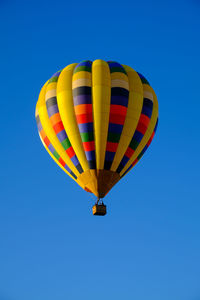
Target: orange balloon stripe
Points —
{"points": [[46, 141], [55, 119], [83, 109]]}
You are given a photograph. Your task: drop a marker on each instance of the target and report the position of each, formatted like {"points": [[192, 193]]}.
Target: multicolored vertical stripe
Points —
{"points": [[118, 110], [143, 151], [82, 97], [54, 116], [140, 131], [50, 146]]}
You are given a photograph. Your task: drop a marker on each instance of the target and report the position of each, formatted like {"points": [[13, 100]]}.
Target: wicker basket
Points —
{"points": [[99, 210]]}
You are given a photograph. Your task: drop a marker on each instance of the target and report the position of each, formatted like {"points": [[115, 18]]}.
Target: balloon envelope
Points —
{"points": [[96, 120]]}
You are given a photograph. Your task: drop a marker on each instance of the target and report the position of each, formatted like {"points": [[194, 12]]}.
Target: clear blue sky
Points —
{"points": [[148, 246]]}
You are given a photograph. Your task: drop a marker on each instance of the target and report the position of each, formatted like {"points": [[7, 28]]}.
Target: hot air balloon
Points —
{"points": [[96, 120]]}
